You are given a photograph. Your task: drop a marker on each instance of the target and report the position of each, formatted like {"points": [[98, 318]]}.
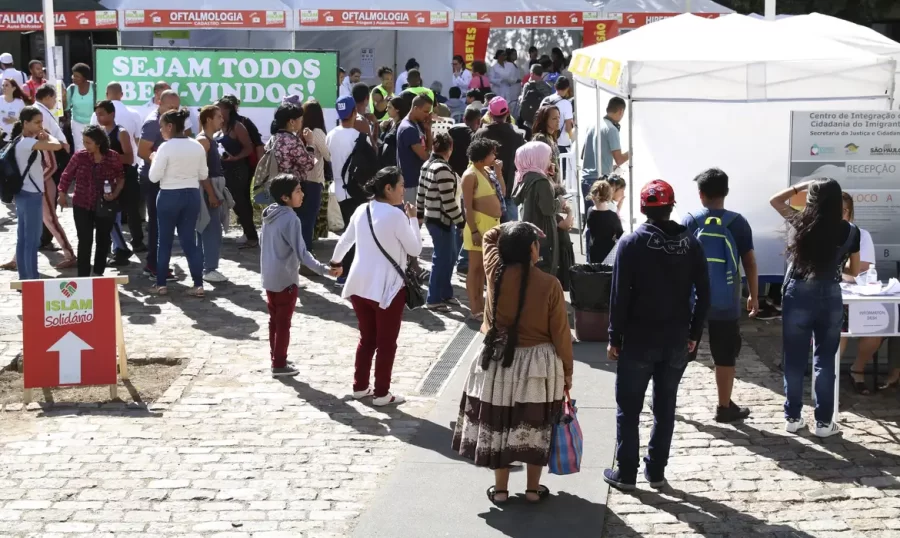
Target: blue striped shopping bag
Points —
{"points": [[566, 442]]}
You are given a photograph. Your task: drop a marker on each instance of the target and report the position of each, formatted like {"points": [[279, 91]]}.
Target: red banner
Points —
{"points": [[533, 19], [64, 20], [364, 18], [599, 31], [470, 40], [196, 18], [631, 21]]}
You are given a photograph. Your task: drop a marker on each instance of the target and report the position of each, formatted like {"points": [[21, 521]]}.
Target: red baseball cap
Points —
{"points": [[657, 193]]}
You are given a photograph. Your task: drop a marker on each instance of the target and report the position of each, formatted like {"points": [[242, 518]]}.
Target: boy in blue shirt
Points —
{"points": [[724, 326]]}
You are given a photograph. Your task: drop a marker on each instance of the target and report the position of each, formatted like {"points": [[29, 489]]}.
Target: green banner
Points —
{"points": [[260, 79]]}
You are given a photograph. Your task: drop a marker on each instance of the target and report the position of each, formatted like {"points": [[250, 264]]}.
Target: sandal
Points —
{"points": [[438, 307], [196, 292], [68, 263], [859, 386], [542, 492], [477, 317], [890, 383], [9, 266], [492, 493], [159, 290]]}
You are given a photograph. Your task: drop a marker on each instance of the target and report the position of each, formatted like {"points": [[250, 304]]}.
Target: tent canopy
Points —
{"points": [[736, 59], [842, 31], [58, 5], [522, 5], [394, 5], [198, 5], [660, 6]]}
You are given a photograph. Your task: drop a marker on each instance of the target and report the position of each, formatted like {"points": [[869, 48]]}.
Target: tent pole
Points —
{"points": [[294, 40], [396, 65], [49, 41], [630, 154], [770, 10]]}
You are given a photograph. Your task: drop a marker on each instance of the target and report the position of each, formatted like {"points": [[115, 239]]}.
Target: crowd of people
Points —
{"points": [[482, 172]]}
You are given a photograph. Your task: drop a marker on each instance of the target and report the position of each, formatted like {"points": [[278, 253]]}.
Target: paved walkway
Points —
{"points": [[753, 479], [239, 454]]}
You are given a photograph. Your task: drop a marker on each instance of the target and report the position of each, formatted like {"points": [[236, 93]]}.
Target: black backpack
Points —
{"points": [[532, 97], [11, 179], [361, 166]]}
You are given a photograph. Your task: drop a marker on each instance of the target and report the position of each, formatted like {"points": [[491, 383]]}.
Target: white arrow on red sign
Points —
{"points": [[69, 348]]}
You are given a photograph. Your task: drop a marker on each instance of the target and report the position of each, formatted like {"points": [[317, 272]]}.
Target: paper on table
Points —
{"points": [[891, 288]]}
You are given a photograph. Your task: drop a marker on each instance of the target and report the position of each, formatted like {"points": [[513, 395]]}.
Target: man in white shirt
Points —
{"points": [[402, 79], [461, 76], [341, 140], [130, 120], [45, 101], [10, 71]]}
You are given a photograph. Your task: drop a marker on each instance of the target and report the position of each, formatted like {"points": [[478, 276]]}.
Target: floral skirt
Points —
{"points": [[506, 414], [321, 229]]}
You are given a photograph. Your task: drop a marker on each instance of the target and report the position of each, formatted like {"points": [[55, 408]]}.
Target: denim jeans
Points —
{"points": [[443, 258], [150, 191], [462, 262], [309, 211], [211, 239], [811, 309], [30, 224], [178, 209], [636, 367]]}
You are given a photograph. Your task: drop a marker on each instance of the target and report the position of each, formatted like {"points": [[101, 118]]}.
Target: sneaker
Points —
{"points": [[341, 280], [616, 479], [793, 425], [453, 301], [657, 480], [138, 247], [768, 313], [388, 399], [731, 413], [360, 394], [285, 371], [773, 304], [827, 429], [214, 276]]}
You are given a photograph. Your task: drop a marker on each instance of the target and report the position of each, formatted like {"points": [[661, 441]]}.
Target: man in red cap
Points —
{"points": [[659, 301]]}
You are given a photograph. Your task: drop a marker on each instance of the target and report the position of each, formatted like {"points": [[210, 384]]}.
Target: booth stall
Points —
{"points": [[541, 23], [848, 33], [80, 24], [419, 29], [692, 106]]}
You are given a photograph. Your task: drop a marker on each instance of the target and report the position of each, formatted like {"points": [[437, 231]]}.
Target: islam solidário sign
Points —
{"points": [[260, 79], [69, 331], [859, 149]]}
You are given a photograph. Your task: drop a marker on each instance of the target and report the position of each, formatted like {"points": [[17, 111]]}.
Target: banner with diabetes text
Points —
{"points": [[599, 31], [260, 79], [859, 149], [470, 40]]}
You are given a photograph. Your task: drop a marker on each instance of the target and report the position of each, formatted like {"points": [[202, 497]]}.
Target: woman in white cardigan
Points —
{"points": [[374, 286]]}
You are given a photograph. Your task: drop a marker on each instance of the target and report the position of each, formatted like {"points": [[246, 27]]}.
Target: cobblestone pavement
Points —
{"points": [[238, 454], [754, 479]]}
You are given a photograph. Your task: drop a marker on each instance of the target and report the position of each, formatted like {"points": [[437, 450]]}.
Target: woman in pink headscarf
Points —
{"points": [[539, 203]]}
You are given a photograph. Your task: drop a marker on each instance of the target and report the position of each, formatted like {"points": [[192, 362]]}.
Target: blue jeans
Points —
{"points": [[211, 239], [462, 262], [811, 309], [636, 367], [178, 209], [309, 211], [150, 191], [30, 218], [443, 259]]}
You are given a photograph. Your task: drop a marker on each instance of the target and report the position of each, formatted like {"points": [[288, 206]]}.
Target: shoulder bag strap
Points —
{"points": [[381, 248], [31, 159]]}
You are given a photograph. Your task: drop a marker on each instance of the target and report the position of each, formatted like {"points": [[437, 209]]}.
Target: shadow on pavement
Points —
{"points": [[848, 463], [704, 516], [560, 514], [409, 429]]}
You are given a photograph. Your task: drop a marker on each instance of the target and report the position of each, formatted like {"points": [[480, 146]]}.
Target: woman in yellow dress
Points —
{"points": [[482, 199]]}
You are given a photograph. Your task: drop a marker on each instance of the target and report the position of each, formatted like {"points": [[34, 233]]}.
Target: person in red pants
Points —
{"points": [[385, 237], [282, 252]]}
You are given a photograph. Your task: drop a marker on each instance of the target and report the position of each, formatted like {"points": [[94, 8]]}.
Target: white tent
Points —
{"points": [[426, 39], [703, 94], [660, 6], [848, 33]]}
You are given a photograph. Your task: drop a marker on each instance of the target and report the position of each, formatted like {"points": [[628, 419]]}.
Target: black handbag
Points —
{"points": [[105, 209], [329, 172], [415, 296]]}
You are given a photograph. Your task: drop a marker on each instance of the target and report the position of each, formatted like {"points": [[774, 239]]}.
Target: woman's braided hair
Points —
{"points": [[514, 244]]}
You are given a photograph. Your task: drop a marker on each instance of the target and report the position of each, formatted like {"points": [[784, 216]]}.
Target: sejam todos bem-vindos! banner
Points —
{"points": [[861, 150], [260, 79]]}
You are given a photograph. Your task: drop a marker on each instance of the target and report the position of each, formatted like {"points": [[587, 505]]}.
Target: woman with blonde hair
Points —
{"points": [[603, 222]]}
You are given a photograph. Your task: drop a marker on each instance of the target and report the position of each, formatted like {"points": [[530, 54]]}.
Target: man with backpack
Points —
{"points": [[727, 241], [534, 92], [414, 144], [354, 162], [659, 301]]}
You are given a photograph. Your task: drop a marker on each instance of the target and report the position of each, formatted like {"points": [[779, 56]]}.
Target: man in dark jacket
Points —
{"points": [[510, 139], [659, 302]]}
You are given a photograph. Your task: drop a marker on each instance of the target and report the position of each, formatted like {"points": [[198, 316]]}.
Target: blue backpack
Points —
{"points": [[723, 264]]}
